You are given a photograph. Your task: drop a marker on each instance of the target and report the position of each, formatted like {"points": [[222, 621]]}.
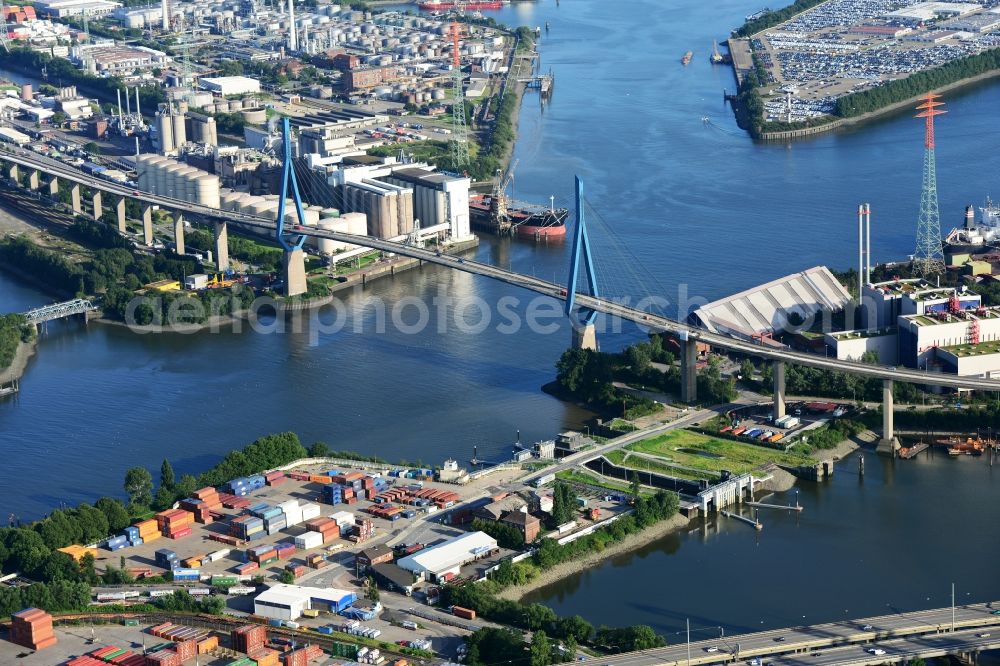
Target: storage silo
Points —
{"points": [[165, 133], [172, 186], [357, 223], [227, 200], [328, 246], [180, 133], [189, 187], [207, 190], [243, 203]]}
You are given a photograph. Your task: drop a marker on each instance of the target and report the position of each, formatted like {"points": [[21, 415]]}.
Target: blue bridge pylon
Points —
{"points": [[289, 241], [584, 317]]}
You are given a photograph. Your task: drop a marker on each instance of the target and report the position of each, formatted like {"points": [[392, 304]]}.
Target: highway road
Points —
{"points": [[837, 642], [645, 319]]}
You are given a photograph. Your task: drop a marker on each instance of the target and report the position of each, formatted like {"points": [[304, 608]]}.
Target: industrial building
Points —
{"points": [[168, 177], [438, 198], [64, 8], [923, 326], [230, 85], [394, 578], [445, 560], [389, 207], [108, 58], [767, 309], [286, 602], [884, 302]]}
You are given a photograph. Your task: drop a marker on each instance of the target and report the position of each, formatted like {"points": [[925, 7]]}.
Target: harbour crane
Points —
{"points": [[500, 200]]}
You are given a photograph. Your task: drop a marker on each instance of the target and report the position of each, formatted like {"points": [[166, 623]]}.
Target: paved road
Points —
{"points": [[653, 322], [575, 459], [847, 639]]}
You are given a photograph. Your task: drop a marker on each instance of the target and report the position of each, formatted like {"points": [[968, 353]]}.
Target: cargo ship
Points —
{"points": [[514, 218], [472, 5], [687, 58]]}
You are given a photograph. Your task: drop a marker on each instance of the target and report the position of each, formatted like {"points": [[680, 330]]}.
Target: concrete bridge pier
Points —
{"points": [[74, 196], [178, 232], [13, 173], [294, 266], [585, 336], [689, 370], [778, 373], [888, 445], [222, 251], [147, 224], [54, 187], [97, 201], [33, 180], [120, 212]]}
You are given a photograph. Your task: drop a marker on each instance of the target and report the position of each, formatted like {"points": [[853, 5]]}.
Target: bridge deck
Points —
{"points": [[929, 630], [59, 310], [652, 322]]}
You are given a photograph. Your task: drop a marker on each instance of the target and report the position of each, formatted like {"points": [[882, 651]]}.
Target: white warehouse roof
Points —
{"points": [[766, 308], [230, 85], [299, 597], [450, 554]]}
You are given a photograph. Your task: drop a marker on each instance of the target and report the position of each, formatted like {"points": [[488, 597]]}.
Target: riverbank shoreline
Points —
{"points": [[566, 569], [25, 352]]}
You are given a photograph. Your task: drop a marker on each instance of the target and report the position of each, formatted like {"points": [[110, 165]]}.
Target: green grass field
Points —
{"points": [[655, 466], [725, 454]]}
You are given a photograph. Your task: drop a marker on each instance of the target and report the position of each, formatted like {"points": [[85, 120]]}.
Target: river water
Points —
{"points": [[696, 206]]}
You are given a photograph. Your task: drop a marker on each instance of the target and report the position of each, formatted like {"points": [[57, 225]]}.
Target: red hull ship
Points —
{"points": [[523, 220], [435, 5]]}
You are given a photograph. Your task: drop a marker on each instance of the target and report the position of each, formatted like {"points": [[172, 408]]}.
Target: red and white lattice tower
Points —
{"points": [[929, 257]]}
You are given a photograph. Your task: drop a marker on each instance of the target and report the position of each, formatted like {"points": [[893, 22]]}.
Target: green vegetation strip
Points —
{"points": [[721, 454]]}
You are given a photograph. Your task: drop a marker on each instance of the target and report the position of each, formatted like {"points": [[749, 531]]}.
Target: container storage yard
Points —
{"points": [[261, 525]]}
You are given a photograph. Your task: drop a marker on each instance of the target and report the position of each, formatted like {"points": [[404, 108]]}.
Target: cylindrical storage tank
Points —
{"points": [[265, 209], [26, 93], [311, 216], [227, 200], [187, 188], [173, 181], [180, 133], [165, 132], [327, 246], [207, 191], [329, 212], [235, 105], [438, 94], [142, 172], [244, 203], [255, 116], [357, 223]]}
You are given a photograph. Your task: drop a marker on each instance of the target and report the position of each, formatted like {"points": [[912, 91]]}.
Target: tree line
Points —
{"points": [[484, 597], [918, 83], [14, 330], [588, 376], [267, 257], [63, 71]]}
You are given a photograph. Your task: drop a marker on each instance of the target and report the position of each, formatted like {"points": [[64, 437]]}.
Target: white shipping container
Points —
{"points": [[309, 540], [343, 518], [292, 516], [310, 511], [218, 555]]}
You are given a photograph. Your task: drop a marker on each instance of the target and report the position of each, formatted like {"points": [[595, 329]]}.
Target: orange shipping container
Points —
{"points": [[207, 645], [265, 657]]}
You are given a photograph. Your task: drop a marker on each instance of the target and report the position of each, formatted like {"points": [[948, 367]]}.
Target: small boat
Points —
{"points": [[687, 58]]}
